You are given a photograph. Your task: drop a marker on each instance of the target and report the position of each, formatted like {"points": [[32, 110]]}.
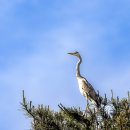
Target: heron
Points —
{"points": [[86, 89]]}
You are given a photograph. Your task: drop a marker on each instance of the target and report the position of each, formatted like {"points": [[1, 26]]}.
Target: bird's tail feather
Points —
{"points": [[98, 101]]}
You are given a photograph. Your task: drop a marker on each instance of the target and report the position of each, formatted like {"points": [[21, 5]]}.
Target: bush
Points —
{"points": [[116, 118]]}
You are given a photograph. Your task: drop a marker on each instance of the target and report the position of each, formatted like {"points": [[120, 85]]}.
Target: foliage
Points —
{"points": [[116, 118]]}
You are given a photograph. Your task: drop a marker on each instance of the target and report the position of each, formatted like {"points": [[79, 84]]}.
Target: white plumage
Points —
{"points": [[80, 83]]}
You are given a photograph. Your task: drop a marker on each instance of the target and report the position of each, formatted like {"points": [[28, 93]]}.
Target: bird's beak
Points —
{"points": [[70, 53]]}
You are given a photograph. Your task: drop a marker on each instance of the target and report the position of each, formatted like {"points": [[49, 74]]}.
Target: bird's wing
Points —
{"points": [[88, 85], [90, 90]]}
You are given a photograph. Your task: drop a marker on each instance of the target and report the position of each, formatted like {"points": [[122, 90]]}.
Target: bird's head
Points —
{"points": [[74, 53]]}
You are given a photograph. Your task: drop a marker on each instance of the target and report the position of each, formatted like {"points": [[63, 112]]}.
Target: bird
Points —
{"points": [[86, 89]]}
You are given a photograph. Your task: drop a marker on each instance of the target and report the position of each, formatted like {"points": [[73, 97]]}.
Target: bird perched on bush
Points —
{"points": [[85, 87]]}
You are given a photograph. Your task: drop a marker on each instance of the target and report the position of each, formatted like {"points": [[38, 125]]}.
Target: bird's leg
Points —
{"points": [[87, 101]]}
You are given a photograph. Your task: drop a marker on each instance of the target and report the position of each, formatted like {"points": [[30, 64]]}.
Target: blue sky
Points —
{"points": [[35, 38]]}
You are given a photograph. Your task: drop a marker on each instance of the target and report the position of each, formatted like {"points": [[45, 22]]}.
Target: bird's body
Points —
{"points": [[85, 87], [82, 86], [87, 90]]}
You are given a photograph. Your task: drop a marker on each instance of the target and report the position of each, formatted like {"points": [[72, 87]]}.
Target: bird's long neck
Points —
{"points": [[78, 67]]}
